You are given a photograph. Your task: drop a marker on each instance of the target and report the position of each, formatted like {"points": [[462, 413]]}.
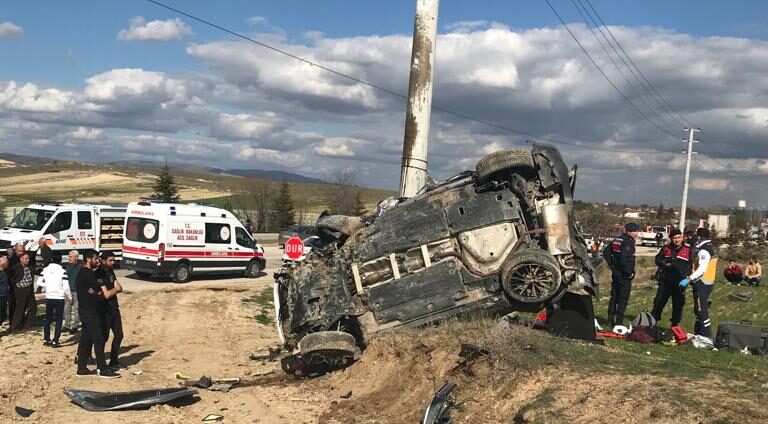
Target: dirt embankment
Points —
{"points": [[211, 331]]}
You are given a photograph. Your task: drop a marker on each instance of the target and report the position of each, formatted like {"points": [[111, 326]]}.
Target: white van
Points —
{"points": [[67, 226], [177, 240]]}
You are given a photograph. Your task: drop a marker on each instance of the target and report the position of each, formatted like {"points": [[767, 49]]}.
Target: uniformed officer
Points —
{"points": [[620, 255], [674, 262], [703, 281]]}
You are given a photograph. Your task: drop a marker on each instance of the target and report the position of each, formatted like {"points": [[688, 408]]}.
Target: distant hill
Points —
{"points": [[30, 160], [248, 173]]}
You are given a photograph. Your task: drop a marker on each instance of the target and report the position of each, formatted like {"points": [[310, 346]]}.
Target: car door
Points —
{"points": [[219, 246], [243, 247], [60, 229], [84, 233]]}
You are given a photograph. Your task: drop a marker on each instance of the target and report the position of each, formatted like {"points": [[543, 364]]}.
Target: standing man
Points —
{"points": [[620, 255], [71, 316], [92, 297], [13, 260], [703, 281], [660, 240], [4, 283], [45, 252], [24, 292], [105, 276], [249, 227], [54, 279], [674, 262]]}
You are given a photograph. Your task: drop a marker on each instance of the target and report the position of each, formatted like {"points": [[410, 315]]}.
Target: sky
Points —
{"points": [[107, 81]]}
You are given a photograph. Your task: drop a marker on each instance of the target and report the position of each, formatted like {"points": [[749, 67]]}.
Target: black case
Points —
{"points": [[738, 335]]}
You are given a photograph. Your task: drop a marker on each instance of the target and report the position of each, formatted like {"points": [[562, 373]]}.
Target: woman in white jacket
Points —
{"points": [[56, 285]]}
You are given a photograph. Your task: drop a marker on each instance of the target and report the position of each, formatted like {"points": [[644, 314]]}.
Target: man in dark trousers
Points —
{"points": [[702, 279], [24, 292], [620, 255], [4, 284], [92, 298], [105, 276], [674, 262], [18, 250]]}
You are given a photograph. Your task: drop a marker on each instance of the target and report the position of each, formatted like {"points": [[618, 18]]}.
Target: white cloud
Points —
{"points": [[339, 147], [84, 133], [141, 30], [467, 26], [244, 126], [10, 30], [710, 184]]}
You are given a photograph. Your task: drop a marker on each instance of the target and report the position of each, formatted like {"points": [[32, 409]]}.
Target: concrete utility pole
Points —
{"points": [[413, 174], [689, 153]]}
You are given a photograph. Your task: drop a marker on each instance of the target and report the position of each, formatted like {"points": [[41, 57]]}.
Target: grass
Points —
{"points": [[263, 305]]}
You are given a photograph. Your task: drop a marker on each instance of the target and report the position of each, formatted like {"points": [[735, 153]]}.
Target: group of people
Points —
{"points": [[687, 260], [80, 297], [752, 277]]}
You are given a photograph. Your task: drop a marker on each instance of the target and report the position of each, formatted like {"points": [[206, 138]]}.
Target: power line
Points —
{"points": [[653, 90], [396, 94], [589, 56], [579, 6]]}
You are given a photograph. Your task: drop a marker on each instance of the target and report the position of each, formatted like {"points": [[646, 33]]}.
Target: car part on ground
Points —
{"points": [[500, 239], [322, 352], [115, 401], [439, 410]]}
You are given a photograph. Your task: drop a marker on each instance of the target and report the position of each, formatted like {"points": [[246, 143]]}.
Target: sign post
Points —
{"points": [[294, 248]]}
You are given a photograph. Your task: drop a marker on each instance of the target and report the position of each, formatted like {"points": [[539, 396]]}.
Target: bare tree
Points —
{"points": [[260, 195], [344, 197], [597, 221]]}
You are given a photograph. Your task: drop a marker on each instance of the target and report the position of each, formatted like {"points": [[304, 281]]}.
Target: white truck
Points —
{"points": [[67, 226], [648, 236]]}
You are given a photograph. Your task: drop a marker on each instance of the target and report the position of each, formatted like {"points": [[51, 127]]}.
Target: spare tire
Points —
{"points": [[531, 276], [320, 353], [519, 160], [343, 224], [328, 341]]}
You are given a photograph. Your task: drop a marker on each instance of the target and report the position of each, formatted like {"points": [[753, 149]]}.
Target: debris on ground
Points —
{"points": [[181, 376], [269, 357], [741, 297], [213, 384], [439, 410], [115, 401], [212, 418], [24, 412]]}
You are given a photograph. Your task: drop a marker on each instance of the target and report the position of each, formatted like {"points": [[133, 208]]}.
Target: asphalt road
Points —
{"points": [[133, 283]]}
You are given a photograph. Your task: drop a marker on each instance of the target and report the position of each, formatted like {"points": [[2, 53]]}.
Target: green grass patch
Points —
{"points": [[263, 305]]}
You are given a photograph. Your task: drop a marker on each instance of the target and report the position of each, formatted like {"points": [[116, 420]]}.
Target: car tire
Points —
{"points": [[531, 276], [253, 269], [328, 341], [519, 160], [343, 224], [143, 274], [182, 272]]}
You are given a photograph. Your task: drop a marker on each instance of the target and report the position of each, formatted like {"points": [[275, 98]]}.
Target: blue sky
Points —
{"points": [[200, 95], [73, 40]]}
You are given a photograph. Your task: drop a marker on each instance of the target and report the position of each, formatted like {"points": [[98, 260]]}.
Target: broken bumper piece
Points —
{"points": [[115, 401]]}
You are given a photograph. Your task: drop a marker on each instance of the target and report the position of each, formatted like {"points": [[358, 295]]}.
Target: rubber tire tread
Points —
{"points": [[248, 272], [503, 159], [537, 256], [343, 224], [328, 340], [189, 274]]}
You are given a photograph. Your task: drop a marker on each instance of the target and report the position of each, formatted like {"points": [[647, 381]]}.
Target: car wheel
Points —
{"points": [[343, 224], [143, 274], [322, 352], [519, 160], [253, 269], [530, 276], [182, 273]]}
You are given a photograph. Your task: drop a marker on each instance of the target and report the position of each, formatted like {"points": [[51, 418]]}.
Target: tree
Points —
{"points": [[165, 186], [660, 212], [259, 202], [344, 196], [596, 221], [284, 214]]}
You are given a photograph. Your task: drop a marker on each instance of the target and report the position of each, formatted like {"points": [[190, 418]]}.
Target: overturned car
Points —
{"points": [[498, 239]]}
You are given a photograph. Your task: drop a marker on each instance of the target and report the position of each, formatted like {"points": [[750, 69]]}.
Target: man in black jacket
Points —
{"points": [[105, 276], [24, 293], [674, 262], [620, 255]]}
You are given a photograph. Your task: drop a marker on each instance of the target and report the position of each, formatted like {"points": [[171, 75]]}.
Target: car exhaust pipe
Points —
{"points": [[558, 234]]}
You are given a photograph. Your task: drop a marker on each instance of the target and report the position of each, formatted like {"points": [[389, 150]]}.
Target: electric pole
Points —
{"points": [[413, 174], [689, 153]]}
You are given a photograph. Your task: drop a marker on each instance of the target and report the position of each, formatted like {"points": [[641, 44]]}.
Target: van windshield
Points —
{"points": [[31, 219]]}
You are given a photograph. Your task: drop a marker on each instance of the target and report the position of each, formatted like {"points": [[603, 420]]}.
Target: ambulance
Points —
{"points": [[65, 227], [179, 240]]}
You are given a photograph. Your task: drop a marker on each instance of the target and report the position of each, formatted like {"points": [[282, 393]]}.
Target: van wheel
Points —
{"points": [[182, 273], [143, 274], [253, 269]]}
